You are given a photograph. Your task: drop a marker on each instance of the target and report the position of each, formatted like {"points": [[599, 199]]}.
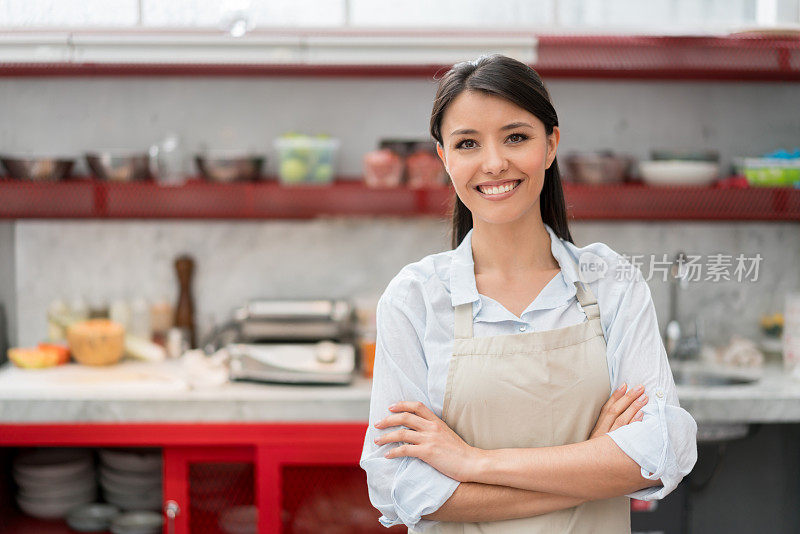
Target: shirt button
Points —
{"points": [[523, 328], [659, 394]]}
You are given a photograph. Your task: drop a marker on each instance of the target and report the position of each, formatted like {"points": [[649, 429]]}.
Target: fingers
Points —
{"points": [[638, 417], [416, 407], [403, 435], [410, 420], [627, 416]]}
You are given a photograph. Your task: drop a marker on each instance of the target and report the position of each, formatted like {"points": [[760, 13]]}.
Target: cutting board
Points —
{"points": [[126, 377]]}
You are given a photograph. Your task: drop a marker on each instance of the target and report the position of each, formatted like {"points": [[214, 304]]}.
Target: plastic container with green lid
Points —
{"points": [[303, 159]]}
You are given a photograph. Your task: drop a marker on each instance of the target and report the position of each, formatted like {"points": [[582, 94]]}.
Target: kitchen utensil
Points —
{"points": [[38, 169], [602, 167], [292, 341], [229, 166], [120, 166], [184, 310], [96, 341], [678, 172]]}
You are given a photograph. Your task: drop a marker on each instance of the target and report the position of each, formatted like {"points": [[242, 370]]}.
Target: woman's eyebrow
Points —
{"points": [[506, 127]]}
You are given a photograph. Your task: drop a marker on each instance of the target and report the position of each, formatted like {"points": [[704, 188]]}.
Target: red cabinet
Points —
{"points": [[295, 478]]}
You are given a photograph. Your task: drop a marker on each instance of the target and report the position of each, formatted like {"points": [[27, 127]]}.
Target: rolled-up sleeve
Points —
{"points": [[664, 443], [403, 489]]}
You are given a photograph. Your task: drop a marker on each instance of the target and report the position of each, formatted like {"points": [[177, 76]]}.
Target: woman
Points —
{"points": [[499, 399]]}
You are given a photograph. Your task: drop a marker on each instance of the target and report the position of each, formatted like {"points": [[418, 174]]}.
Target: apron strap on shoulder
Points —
{"points": [[587, 300], [463, 321]]}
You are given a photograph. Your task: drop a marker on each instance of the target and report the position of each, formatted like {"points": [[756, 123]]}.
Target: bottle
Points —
{"points": [[140, 319], [120, 312], [161, 316], [184, 311]]}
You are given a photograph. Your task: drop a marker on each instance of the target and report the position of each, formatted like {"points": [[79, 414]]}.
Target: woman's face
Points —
{"points": [[496, 154]]}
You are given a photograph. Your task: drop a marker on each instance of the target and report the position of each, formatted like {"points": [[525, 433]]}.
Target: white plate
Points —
{"points": [[678, 172], [135, 460]]}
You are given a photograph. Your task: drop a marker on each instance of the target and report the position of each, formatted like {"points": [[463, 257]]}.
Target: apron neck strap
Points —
{"points": [[588, 301], [463, 321]]}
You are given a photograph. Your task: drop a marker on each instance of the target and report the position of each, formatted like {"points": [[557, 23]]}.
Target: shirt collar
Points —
{"points": [[463, 288]]}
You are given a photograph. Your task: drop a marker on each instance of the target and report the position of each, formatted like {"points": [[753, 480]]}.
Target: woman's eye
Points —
{"points": [[520, 137], [469, 142]]}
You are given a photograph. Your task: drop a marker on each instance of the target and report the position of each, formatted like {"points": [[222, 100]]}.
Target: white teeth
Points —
{"points": [[494, 190]]}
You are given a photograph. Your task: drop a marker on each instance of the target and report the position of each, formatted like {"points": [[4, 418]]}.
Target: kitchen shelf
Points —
{"points": [[91, 199], [349, 54]]}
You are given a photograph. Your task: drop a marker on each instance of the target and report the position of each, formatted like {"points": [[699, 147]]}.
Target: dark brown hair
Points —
{"points": [[518, 83]]}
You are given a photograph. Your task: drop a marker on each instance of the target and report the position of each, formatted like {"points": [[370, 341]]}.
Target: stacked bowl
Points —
{"points": [[131, 478], [53, 481]]}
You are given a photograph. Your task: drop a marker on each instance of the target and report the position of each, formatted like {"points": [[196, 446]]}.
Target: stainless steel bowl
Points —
{"points": [[230, 167], [37, 169], [597, 167], [120, 166]]}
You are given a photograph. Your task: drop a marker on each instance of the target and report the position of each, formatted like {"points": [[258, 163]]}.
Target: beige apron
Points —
{"points": [[536, 389]]}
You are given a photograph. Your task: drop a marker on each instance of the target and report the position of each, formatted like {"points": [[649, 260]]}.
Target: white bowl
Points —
{"points": [[678, 172], [120, 483], [34, 482], [51, 464], [134, 500], [58, 491], [136, 460], [54, 509]]}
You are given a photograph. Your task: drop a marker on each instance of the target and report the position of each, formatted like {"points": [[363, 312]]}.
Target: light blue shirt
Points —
{"points": [[415, 318]]}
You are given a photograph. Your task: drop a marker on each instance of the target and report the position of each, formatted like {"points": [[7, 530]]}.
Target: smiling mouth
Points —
{"points": [[498, 189]]}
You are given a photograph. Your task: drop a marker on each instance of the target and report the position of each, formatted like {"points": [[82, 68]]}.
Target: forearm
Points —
{"points": [[593, 469], [472, 502]]}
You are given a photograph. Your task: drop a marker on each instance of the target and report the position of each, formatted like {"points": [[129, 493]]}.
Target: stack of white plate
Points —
{"points": [[131, 478], [52, 481]]}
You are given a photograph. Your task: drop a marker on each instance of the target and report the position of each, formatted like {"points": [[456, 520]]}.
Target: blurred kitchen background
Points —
{"points": [[280, 149]]}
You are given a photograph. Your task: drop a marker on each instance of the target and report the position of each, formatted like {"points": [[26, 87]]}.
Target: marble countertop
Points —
{"points": [[135, 392]]}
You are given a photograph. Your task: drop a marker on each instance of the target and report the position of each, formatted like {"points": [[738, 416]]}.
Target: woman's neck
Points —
{"points": [[512, 250]]}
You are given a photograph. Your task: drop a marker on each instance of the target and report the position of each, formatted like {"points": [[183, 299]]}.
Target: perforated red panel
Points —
{"points": [[329, 500], [216, 489]]}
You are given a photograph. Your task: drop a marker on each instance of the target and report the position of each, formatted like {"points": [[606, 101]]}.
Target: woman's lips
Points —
{"points": [[500, 196]]}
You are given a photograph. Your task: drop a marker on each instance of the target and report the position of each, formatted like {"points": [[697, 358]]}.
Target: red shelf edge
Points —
{"points": [[86, 199]]}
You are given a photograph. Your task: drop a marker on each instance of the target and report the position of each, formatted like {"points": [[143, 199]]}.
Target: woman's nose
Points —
{"points": [[494, 162]]}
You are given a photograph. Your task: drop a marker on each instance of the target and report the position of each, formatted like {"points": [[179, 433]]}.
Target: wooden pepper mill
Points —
{"points": [[184, 311]]}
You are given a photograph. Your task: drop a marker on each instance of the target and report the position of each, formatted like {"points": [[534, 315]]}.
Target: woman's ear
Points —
{"points": [[440, 151], [552, 145]]}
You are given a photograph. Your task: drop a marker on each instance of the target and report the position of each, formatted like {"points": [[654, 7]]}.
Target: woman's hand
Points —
{"points": [[619, 410], [428, 438]]}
